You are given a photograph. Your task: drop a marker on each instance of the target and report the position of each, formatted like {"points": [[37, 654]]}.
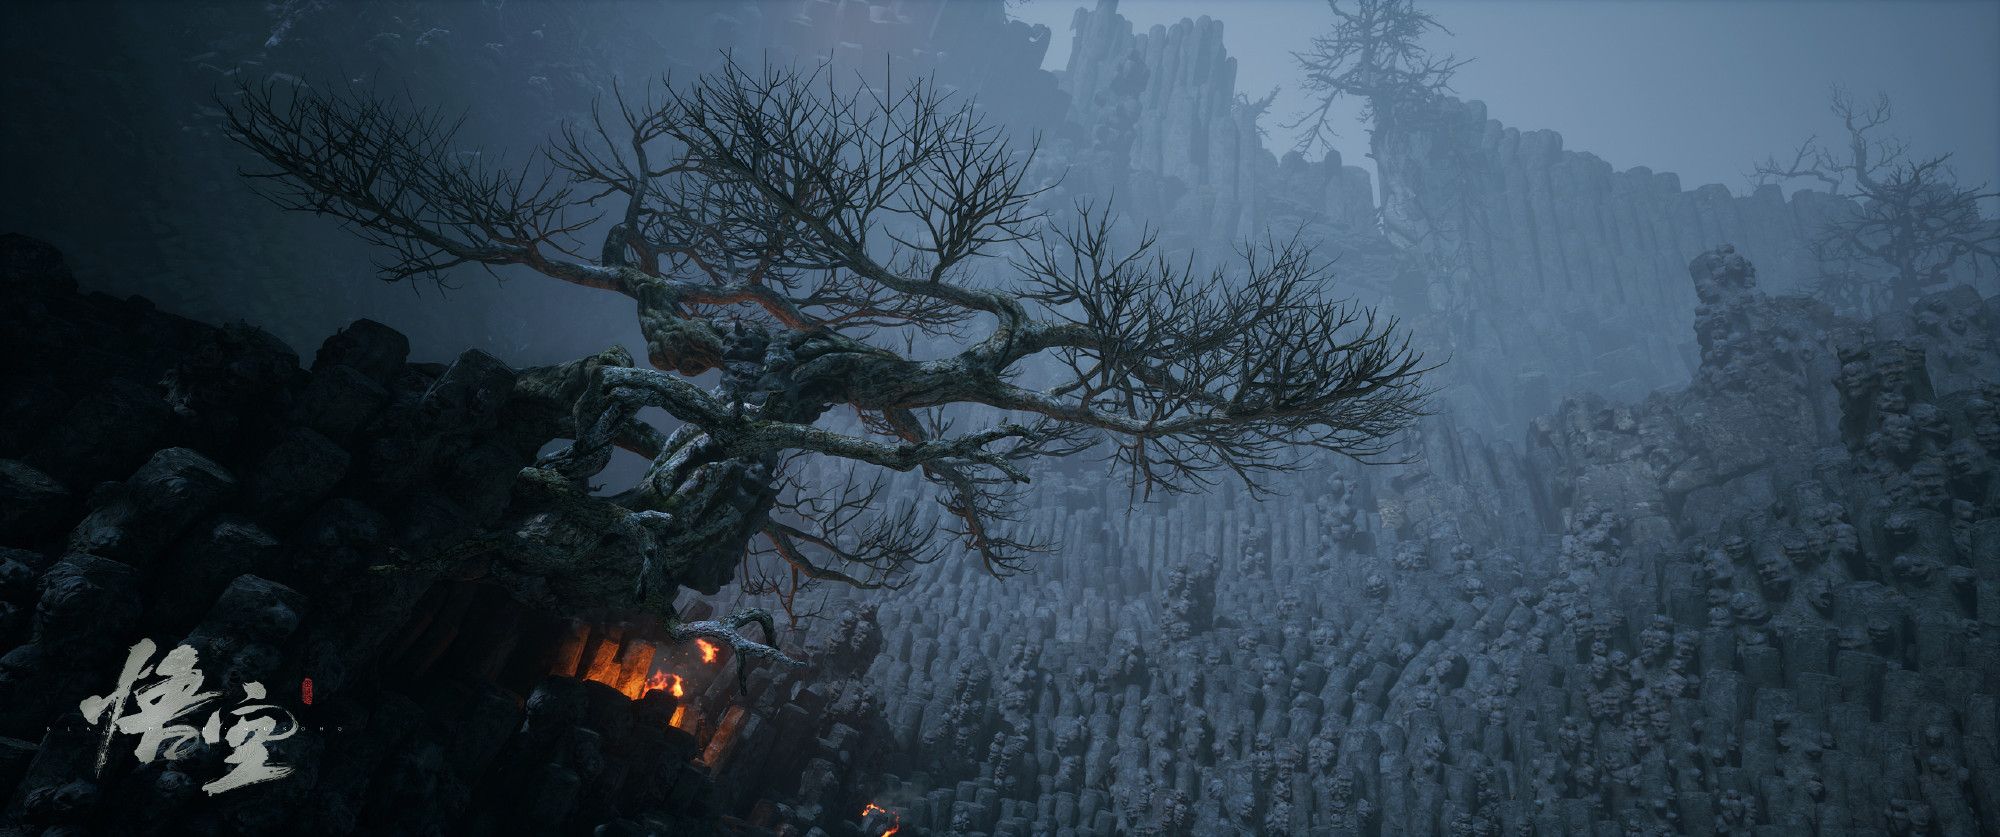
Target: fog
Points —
{"points": [[1513, 466], [1697, 87]]}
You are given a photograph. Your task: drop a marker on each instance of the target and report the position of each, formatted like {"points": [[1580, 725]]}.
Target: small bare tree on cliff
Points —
{"points": [[1375, 52], [1911, 218], [796, 238]]}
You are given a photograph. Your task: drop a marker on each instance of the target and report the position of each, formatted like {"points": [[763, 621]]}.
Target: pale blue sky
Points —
{"points": [[1696, 87]]}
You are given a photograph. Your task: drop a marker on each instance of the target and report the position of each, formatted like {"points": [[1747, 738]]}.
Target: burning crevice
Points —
{"points": [[879, 821], [637, 667]]}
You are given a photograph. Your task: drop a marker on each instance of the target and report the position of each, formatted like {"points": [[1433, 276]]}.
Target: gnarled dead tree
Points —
{"points": [[1911, 219], [795, 237], [1375, 52]]}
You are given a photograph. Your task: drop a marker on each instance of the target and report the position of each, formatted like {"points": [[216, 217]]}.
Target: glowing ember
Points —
{"points": [[662, 681], [708, 650], [895, 819], [672, 683], [622, 665]]}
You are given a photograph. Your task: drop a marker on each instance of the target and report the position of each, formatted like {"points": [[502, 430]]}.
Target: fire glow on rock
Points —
{"points": [[626, 668], [873, 813]]}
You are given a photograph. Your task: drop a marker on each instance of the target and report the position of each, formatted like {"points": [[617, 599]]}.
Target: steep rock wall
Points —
{"points": [[1752, 605], [1555, 274]]}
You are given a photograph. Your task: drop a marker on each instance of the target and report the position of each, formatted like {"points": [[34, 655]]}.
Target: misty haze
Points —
{"points": [[852, 418]]}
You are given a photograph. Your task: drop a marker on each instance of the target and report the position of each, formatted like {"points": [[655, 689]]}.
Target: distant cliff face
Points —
{"points": [[1541, 272], [1164, 103], [1758, 603], [1558, 274]]}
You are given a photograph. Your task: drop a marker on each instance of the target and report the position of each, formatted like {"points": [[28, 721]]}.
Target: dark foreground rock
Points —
{"points": [[166, 480]]}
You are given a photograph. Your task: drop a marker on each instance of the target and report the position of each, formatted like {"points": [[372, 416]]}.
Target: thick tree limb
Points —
{"points": [[788, 231]]}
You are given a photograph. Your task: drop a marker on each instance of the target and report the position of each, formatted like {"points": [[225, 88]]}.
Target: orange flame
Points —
{"points": [[896, 823], [708, 650], [626, 673], [664, 682]]}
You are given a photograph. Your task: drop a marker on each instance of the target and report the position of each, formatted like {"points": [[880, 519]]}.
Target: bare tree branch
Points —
{"points": [[788, 230], [1910, 217], [1375, 52]]}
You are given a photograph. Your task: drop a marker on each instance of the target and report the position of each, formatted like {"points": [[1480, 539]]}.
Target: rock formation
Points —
{"points": [[1740, 573], [1758, 609], [190, 485]]}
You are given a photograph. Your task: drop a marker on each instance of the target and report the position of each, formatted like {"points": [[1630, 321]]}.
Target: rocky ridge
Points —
{"points": [[190, 485], [1754, 605]]}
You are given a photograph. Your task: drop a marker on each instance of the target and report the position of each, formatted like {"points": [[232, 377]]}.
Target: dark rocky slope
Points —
{"points": [[1764, 604], [184, 483]]}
